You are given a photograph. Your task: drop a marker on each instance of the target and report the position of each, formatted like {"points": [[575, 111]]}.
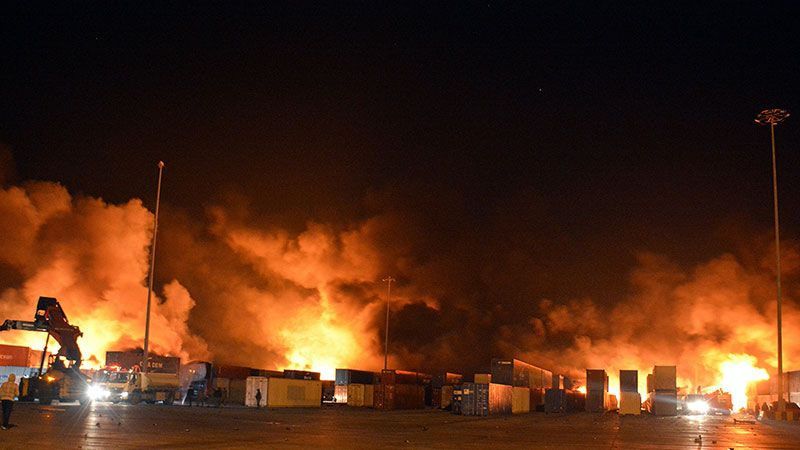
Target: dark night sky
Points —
{"points": [[582, 134]]}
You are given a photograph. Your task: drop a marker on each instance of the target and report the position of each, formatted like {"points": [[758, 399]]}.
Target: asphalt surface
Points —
{"points": [[156, 426]]}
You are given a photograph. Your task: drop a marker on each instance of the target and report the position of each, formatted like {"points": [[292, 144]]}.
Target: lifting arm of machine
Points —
{"points": [[51, 319]]}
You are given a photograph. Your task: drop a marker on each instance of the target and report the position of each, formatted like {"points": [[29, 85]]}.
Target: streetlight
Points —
{"points": [[388, 280], [152, 270], [773, 117]]}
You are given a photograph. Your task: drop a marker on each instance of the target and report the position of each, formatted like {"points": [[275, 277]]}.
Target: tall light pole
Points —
{"points": [[773, 117], [388, 280], [152, 270]]}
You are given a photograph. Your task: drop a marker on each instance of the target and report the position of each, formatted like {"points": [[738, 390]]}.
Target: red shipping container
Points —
{"points": [[14, 355]]}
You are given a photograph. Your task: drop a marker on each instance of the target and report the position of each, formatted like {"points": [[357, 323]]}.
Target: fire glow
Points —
{"points": [[737, 373]]}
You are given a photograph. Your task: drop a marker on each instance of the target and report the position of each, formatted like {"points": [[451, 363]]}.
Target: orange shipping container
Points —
{"points": [[14, 355]]}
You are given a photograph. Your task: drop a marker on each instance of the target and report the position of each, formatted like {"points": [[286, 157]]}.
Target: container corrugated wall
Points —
{"points": [[520, 400], [360, 395], [289, 393], [478, 399]]}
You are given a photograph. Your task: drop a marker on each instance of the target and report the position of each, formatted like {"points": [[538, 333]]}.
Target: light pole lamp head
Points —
{"points": [[771, 116]]}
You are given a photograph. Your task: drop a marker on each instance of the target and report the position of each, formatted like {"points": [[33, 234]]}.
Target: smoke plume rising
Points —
{"points": [[237, 289]]}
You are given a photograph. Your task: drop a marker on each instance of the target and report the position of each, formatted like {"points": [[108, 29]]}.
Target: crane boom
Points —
{"points": [[50, 318]]}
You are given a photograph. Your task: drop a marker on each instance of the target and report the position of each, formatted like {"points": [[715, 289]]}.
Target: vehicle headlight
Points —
{"points": [[698, 406], [98, 392], [124, 394]]}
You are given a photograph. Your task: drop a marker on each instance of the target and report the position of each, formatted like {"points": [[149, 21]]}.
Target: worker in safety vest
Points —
{"points": [[8, 391]]}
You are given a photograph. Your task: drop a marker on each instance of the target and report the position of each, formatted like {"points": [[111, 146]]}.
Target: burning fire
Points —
{"points": [[737, 373]]}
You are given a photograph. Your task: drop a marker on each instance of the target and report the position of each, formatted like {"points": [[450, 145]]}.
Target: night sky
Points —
{"points": [[540, 145]]}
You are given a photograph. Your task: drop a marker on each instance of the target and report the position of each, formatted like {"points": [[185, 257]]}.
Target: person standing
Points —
{"points": [[8, 391], [258, 398]]}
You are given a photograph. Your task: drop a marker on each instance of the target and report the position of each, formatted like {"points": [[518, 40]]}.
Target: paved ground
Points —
{"points": [[157, 426]]}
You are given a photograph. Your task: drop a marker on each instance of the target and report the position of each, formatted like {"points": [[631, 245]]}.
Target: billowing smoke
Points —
{"points": [[235, 288], [93, 257], [698, 319]]}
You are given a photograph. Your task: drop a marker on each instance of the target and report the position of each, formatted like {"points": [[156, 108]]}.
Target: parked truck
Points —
{"points": [[123, 380]]}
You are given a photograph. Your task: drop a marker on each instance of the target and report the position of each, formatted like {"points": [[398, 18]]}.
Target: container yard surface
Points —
{"points": [[157, 426]]}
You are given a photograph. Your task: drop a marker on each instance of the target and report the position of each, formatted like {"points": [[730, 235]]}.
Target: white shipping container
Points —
{"points": [[630, 403], [254, 384]]}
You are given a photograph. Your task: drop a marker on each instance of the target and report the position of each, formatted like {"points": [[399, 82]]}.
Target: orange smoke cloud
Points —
{"points": [[93, 257], [716, 322]]}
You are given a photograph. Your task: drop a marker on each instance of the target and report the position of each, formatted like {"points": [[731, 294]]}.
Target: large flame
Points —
{"points": [[737, 373]]}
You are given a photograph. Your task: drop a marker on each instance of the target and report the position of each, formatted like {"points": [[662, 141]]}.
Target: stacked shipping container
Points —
{"points": [[662, 397], [398, 389], [513, 372], [479, 399], [21, 361], [596, 390], [346, 377], [630, 401], [442, 389]]}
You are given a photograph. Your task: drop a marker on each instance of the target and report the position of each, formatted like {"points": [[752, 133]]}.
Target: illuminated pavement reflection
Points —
{"points": [[156, 426]]}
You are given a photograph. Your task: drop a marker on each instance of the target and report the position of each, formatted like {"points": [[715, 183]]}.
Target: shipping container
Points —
{"points": [[252, 386], [547, 379], [562, 400], [234, 372], [663, 403], [794, 380], [665, 378], [132, 360], [15, 356], [300, 374], [360, 395], [446, 379], [340, 395], [483, 378], [520, 400], [554, 400], [558, 382], [392, 376], [266, 373], [630, 403], [398, 396], [537, 399], [628, 381], [456, 401], [237, 390], [478, 399], [347, 376], [292, 393], [596, 401], [447, 397], [596, 380], [514, 372]]}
